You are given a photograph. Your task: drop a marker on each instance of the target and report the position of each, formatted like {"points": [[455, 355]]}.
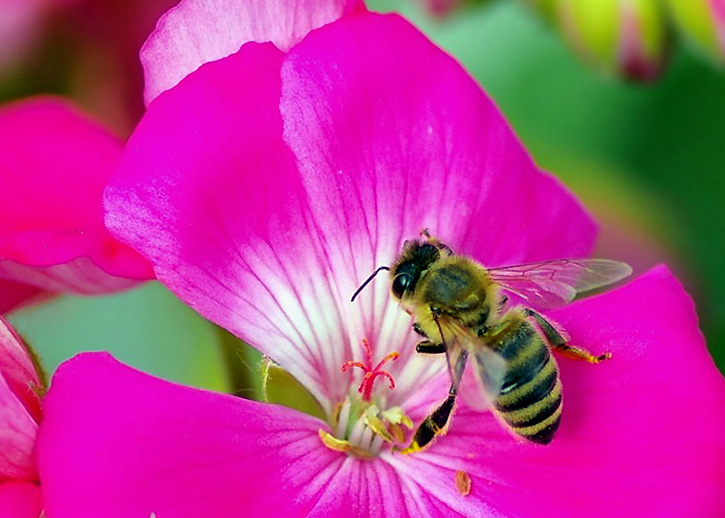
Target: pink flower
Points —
{"points": [[53, 169], [442, 7], [20, 392], [264, 188], [20, 25]]}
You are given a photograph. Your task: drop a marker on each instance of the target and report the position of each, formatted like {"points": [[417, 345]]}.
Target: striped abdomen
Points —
{"points": [[530, 398]]}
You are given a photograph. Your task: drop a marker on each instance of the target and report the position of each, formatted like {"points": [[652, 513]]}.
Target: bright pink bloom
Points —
{"points": [[199, 31], [20, 414], [53, 169], [264, 188]]}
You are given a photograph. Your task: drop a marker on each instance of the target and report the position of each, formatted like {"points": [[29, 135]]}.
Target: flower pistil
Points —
{"points": [[359, 425]]}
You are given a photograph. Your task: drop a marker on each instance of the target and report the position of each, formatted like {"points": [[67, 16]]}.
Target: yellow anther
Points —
{"points": [[397, 432], [377, 426], [342, 446], [333, 443], [395, 415]]}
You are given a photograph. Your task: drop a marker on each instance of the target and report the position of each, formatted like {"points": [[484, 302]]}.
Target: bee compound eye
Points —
{"points": [[400, 284]]}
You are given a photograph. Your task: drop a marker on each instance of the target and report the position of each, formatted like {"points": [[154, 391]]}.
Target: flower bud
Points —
{"points": [[702, 22], [627, 37]]}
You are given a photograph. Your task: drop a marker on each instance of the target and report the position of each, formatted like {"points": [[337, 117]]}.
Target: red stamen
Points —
{"points": [[366, 386]]}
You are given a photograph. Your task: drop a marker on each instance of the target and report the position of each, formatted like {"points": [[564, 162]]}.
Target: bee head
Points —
{"points": [[415, 258]]}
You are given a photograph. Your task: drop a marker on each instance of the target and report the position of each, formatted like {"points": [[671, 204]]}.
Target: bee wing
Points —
{"points": [[455, 338], [490, 369], [480, 384], [555, 283]]}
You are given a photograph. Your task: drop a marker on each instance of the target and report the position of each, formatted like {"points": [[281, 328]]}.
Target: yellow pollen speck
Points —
{"points": [[414, 447], [463, 483]]}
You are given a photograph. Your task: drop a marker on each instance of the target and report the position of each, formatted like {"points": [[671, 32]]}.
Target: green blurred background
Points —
{"points": [[647, 159]]}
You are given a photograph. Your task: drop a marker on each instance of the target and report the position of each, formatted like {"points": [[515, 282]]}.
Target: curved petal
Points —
{"points": [[18, 370], [223, 217], [54, 169], [17, 437], [143, 445], [199, 31], [641, 435], [139, 445], [20, 500]]}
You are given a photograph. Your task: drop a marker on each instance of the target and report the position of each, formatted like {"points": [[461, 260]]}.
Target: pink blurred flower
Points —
{"points": [[21, 22], [442, 7], [263, 188], [20, 415], [53, 169]]}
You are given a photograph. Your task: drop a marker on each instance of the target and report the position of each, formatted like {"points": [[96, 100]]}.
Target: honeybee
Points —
{"points": [[462, 309]]}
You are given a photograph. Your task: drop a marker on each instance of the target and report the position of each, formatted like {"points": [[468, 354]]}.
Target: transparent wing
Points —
{"points": [[488, 371], [555, 283], [479, 381]]}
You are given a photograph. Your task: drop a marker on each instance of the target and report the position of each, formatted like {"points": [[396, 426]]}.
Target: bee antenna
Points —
{"points": [[372, 276]]}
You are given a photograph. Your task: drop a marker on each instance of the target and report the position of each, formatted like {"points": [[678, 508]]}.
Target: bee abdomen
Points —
{"points": [[530, 401]]}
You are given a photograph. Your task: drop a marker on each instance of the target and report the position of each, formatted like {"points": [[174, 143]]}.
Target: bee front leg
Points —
{"points": [[558, 343], [428, 347]]}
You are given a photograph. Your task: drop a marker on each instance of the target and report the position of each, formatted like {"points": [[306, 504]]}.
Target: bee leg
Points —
{"points": [[437, 423], [428, 347], [434, 241], [433, 425], [558, 343]]}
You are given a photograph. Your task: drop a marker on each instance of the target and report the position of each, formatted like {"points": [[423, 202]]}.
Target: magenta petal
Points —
{"points": [[20, 500], [199, 31], [15, 294], [641, 435], [142, 445], [209, 192], [17, 437], [118, 443], [52, 173], [18, 370], [393, 134]]}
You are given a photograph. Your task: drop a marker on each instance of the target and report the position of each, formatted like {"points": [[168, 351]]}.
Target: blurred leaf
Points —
{"points": [[148, 328]]}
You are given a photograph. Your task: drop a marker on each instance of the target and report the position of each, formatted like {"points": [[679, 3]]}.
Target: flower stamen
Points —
{"points": [[366, 386]]}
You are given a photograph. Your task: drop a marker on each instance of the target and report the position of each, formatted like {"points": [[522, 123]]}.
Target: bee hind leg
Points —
{"points": [[558, 343], [432, 426], [437, 423]]}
